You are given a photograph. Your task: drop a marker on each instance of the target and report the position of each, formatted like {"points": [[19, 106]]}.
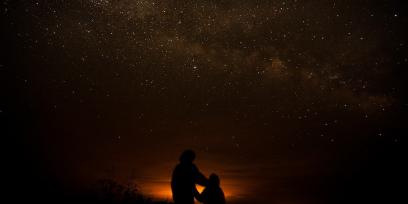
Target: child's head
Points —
{"points": [[214, 180]]}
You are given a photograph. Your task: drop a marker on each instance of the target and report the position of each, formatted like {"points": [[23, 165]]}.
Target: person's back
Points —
{"points": [[213, 193], [184, 178], [183, 184]]}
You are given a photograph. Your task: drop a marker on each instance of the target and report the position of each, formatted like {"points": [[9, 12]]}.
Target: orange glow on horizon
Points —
{"points": [[161, 189], [157, 189]]}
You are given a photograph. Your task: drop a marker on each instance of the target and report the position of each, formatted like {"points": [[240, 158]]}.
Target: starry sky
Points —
{"points": [[294, 101]]}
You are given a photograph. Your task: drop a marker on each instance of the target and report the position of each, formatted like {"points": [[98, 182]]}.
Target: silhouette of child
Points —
{"points": [[213, 193]]}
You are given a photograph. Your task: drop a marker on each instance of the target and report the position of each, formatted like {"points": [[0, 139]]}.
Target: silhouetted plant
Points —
{"points": [[108, 191]]}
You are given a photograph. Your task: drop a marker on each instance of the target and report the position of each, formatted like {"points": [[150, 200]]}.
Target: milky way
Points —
{"points": [[274, 95]]}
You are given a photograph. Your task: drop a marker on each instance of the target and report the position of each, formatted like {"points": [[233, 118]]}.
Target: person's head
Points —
{"points": [[187, 156], [214, 180]]}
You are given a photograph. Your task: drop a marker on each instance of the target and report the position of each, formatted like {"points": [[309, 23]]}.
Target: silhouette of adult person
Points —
{"points": [[184, 179]]}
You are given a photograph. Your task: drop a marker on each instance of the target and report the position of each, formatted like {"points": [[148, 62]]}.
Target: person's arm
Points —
{"points": [[200, 179]]}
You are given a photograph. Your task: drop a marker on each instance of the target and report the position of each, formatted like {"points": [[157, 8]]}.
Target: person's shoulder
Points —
{"points": [[193, 167], [219, 189], [178, 168], [184, 167]]}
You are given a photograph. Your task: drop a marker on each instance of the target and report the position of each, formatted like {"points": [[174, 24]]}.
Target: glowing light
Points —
{"points": [[160, 189], [157, 189]]}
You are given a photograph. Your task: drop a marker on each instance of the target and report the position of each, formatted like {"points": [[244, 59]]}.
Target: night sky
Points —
{"points": [[297, 101]]}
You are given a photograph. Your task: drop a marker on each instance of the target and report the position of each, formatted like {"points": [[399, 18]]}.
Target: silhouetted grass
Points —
{"points": [[107, 191]]}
